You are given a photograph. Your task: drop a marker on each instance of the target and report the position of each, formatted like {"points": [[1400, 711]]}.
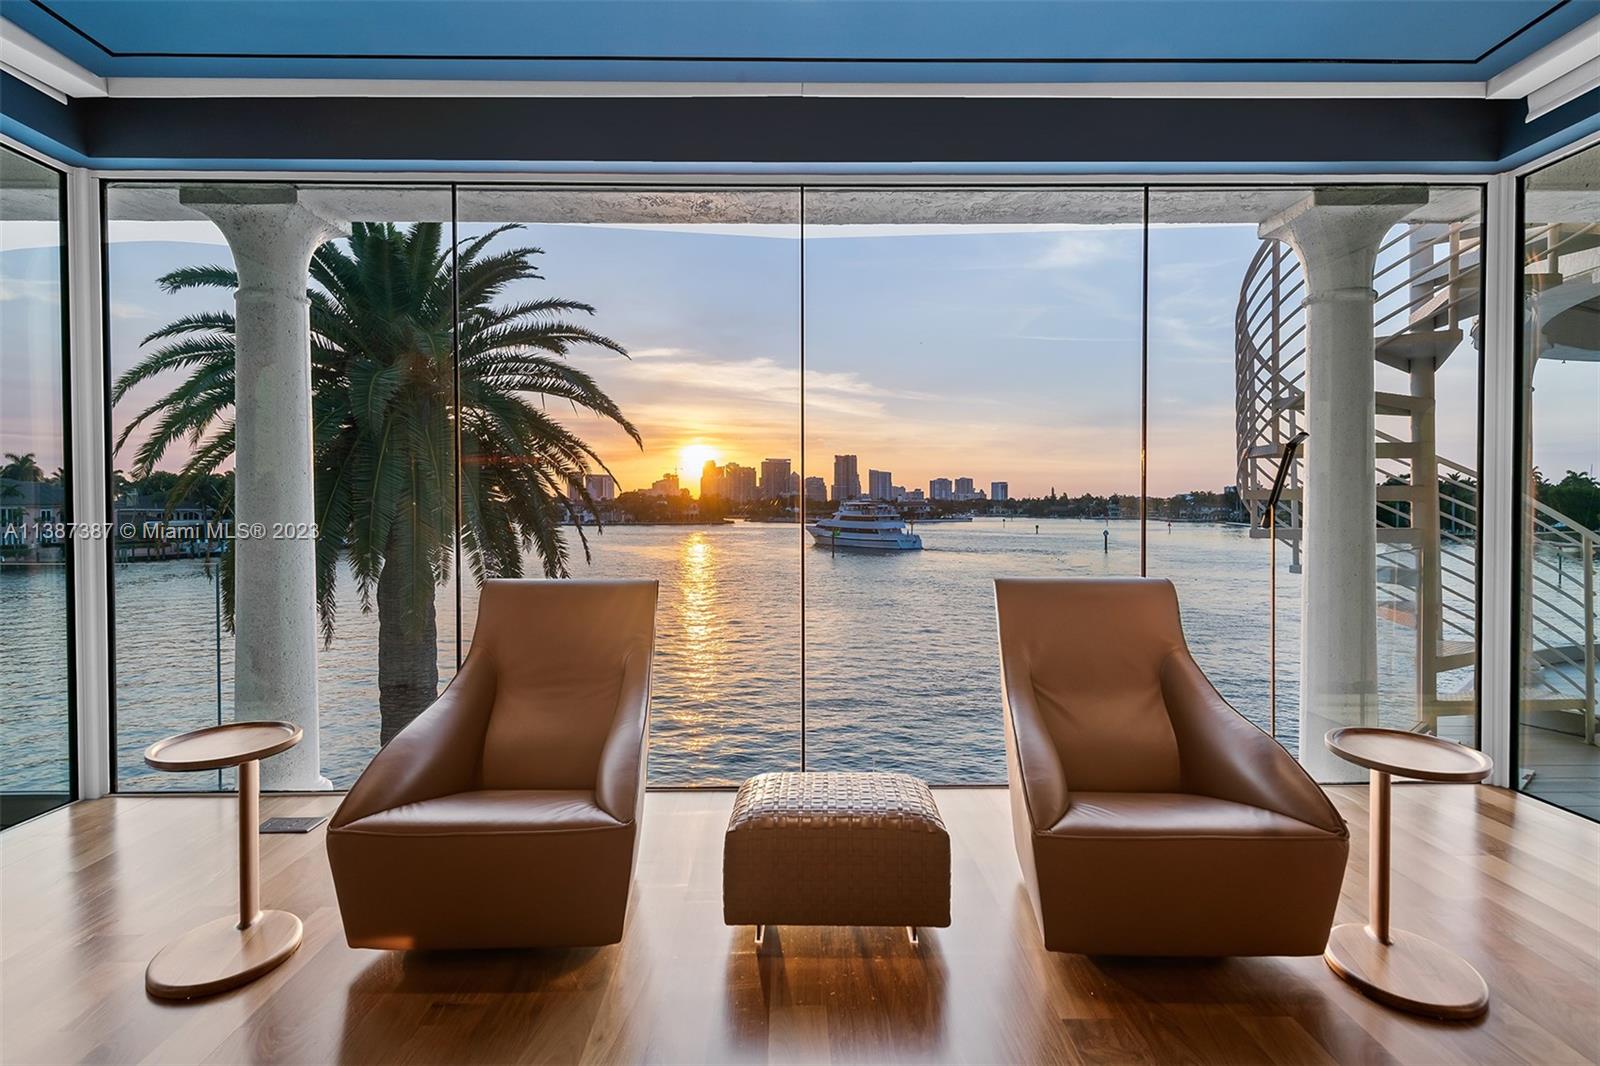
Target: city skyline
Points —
{"points": [[762, 481]]}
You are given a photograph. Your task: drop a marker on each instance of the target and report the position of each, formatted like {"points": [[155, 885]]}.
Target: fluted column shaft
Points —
{"points": [[272, 236]]}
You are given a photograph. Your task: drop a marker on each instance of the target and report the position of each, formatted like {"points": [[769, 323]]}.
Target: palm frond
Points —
{"points": [[198, 277]]}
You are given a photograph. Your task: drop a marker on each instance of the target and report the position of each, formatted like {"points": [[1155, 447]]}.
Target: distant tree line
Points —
{"points": [[211, 493], [1577, 496]]}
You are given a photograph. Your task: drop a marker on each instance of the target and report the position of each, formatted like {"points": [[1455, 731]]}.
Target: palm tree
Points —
{"points": [[383, 420], [21, 467]]}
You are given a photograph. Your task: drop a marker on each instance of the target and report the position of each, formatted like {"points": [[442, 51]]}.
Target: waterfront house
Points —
{"points": [[31, 518]]}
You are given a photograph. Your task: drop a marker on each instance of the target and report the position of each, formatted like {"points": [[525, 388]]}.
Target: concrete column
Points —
{"points": [[1429, 544], [272, 236], [1336, 233]]}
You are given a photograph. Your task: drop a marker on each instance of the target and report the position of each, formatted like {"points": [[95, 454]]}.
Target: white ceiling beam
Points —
{"points": [[400, 87], [169, 88], [30, 59], [1565, 89], [1160, 90], [1550, 63]]}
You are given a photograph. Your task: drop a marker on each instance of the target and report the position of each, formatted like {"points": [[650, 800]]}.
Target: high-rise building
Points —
{"points": [[816, 489], [964, 488], [911, 495], [711, 480], [666, 485], [739, 483], [846, 478], [999, 490], [600, 486], [794, 482], [939, 489], [896, 491], [880, 484], [774, 478]]}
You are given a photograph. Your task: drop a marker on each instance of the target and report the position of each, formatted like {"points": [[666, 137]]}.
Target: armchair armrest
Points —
{"points": [[619, 784], [436, 755], [1031, 753], [1223, 755]]}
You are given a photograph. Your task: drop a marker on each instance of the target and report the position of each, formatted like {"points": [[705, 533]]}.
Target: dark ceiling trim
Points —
{"points": [[61, 123], [855, 60], [791, 130]]}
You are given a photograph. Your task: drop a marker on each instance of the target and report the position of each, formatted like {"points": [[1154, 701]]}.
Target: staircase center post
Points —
{"points": [[1336, 232]]}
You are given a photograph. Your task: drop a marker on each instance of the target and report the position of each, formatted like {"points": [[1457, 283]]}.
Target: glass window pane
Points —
{"points": [[961, 344], [1237, 370], [1557, 758], [35, 671], [690, 414], [383, 463]]}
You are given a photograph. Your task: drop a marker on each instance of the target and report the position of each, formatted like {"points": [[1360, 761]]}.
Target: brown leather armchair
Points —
{"points": [[1150, 817], [507, 814]]}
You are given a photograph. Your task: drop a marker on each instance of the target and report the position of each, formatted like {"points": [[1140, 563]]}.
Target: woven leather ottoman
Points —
{"points": [[835, 849]]}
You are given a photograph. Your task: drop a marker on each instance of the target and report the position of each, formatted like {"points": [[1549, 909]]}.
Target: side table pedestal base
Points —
{"points": [[219, 955], [1412, 974]]}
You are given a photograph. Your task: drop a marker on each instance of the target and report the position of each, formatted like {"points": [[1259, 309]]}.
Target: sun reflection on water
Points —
{"points": [[702, 639]]}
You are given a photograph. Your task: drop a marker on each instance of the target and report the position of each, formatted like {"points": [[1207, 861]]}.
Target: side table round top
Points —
{"points": [[1416, 755], [218, 746]]}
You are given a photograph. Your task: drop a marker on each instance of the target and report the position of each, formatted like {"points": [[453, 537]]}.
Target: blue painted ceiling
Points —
{"points": [[803, 40]]}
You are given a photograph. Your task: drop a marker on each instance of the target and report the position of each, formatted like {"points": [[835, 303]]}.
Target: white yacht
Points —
{"points": [[864, 524]]}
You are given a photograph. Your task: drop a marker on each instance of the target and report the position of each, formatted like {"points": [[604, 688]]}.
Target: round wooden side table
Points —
{"points": [[1394, 967], [227, 953]]}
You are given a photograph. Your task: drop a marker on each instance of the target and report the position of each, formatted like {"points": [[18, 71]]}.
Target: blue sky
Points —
{"points": [[30, 342], [998, 353]]}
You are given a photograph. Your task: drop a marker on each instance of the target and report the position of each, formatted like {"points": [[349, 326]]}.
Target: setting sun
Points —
{"points": [[692, 458]]}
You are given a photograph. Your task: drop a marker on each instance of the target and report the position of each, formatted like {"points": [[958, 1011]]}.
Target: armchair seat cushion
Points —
{"points": [[438, 876], [490, 811], [1163, 873], [1173, 816]]}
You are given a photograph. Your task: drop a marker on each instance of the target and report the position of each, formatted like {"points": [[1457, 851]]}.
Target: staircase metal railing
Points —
{"points": [[1428, 293]]}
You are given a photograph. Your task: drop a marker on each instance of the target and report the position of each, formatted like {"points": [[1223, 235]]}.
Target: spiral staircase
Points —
{"points": [[1428, 284]]}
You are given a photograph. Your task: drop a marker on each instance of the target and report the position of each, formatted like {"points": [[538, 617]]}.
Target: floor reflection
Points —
{"points": [[865, 993], [556, 995]]}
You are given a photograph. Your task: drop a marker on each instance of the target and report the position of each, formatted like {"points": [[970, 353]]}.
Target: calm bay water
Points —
{"points": [[900, 668], [34, 730]]}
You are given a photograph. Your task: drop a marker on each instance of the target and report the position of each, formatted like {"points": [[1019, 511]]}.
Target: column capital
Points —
{"points": [[1336, 231], [270, 231]]}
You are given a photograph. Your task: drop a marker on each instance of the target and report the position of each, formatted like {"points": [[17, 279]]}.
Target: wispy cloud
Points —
{"points": [[1080, 248], [120, 309], [30, 289]]}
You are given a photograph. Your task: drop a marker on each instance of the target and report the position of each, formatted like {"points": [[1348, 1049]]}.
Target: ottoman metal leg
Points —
{"points": [[913, 936], [761, 935]]}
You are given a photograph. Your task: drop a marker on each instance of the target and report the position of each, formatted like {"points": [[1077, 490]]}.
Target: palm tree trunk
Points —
{"points": [[408, 635]]}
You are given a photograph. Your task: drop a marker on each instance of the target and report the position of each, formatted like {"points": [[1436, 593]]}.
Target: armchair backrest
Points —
{"points": [[564, 655], [1085, 655]]}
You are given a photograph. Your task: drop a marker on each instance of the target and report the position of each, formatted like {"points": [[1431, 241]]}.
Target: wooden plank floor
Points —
{"points": [[89, 893]]}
